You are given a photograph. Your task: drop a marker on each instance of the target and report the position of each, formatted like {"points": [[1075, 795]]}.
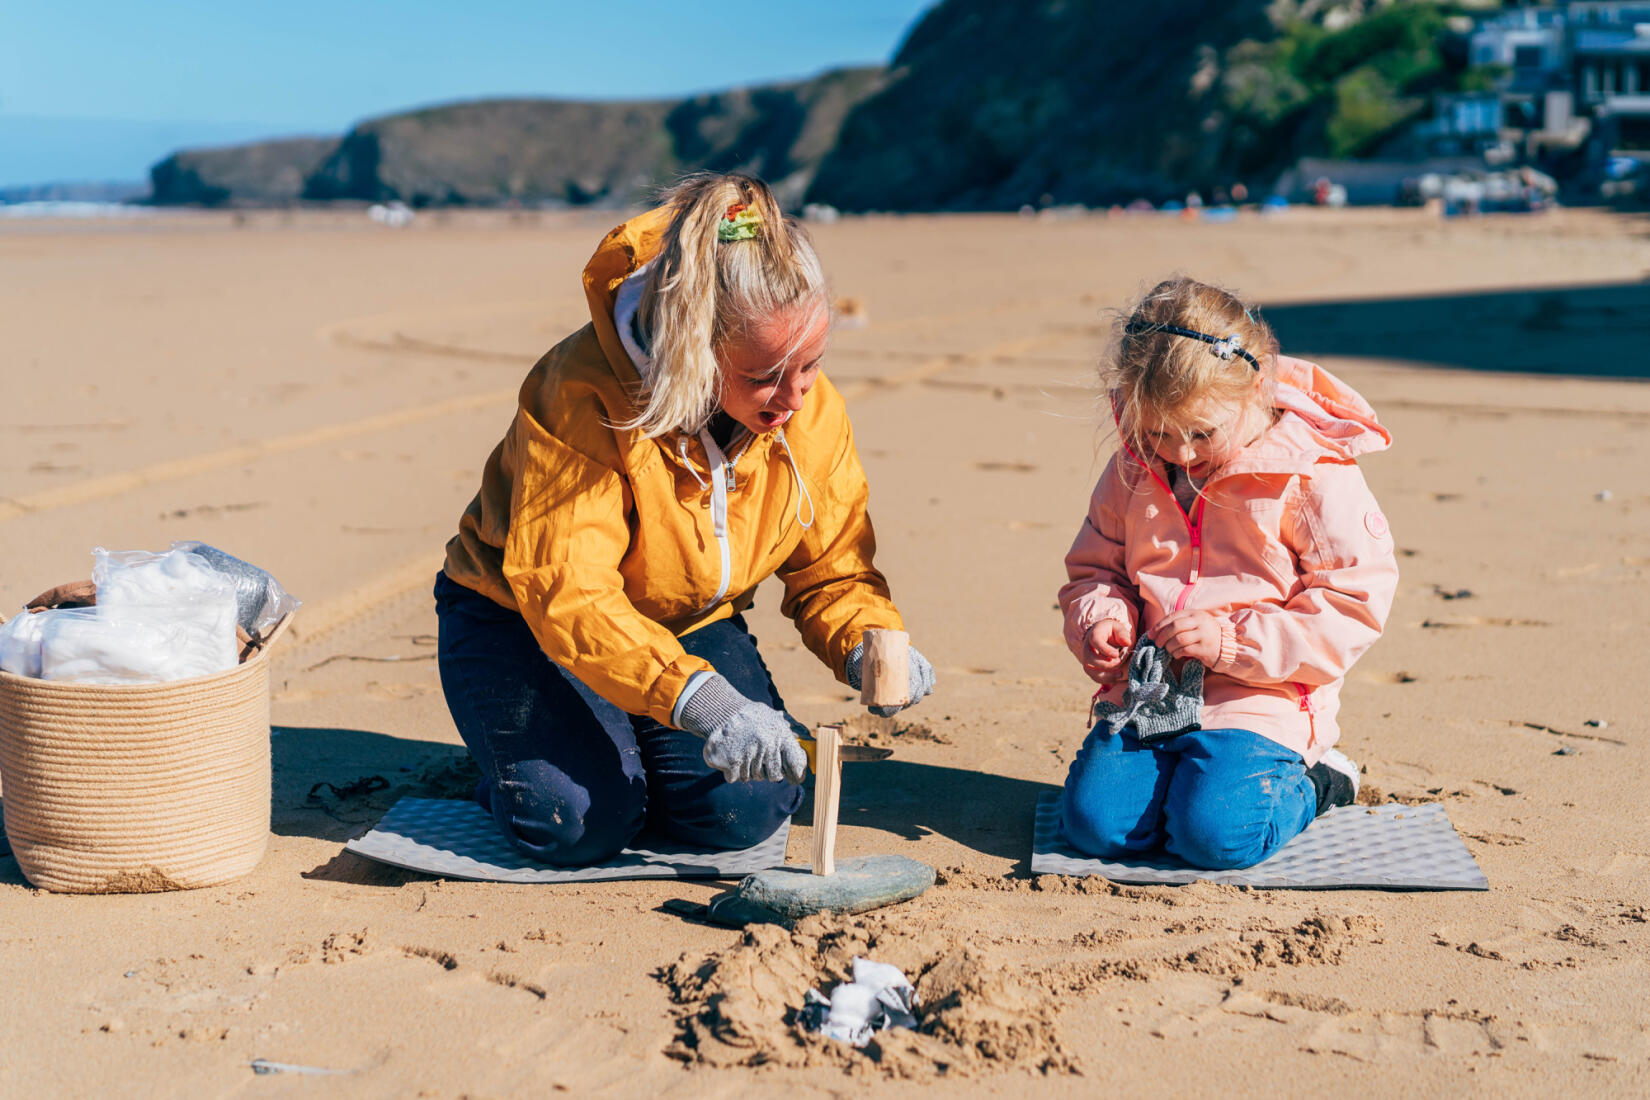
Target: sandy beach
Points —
{"points": [[317, 394]]}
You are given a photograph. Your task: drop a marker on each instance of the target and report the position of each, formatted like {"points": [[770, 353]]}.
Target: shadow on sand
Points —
{"points": [[1598, 331], [991, 814], [334, 784]]}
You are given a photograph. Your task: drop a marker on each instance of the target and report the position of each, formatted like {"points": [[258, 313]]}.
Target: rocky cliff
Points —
{"points": [[261, 173], [991, 105], [536, 150]]}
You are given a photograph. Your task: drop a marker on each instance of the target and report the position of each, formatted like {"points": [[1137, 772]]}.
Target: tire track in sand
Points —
{"points": [[101, 488]]}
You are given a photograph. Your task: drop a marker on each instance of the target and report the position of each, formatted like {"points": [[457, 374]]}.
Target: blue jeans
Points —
{"points": [[569, 777], [1216, 799]]}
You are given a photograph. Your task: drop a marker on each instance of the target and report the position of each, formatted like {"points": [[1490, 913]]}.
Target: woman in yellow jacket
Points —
{"points": [[665, 459]]}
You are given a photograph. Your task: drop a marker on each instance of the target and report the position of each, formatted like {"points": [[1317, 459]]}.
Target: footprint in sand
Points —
{"points": [[510, 981], [1373, 677], [1479, 620], [1451, 593], [1006, 467], [1501, 840], [445, 959], [343, 946]]}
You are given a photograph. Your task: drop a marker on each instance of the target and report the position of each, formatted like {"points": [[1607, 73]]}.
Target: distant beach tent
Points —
{"points": [[396, 214]]}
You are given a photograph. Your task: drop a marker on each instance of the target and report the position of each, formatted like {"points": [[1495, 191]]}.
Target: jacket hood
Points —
{"points": [[621, 252], [1322, 419]]}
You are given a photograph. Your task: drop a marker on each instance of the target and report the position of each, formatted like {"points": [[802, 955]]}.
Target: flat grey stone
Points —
{"points": [[458, 839], [1389, 847], [866, 882]]}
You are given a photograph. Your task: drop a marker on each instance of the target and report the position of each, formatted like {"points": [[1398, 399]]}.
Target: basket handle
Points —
{"points": [[261, 643]]}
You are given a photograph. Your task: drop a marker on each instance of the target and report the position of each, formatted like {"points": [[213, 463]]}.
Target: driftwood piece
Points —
{"points": [[73, 594]]}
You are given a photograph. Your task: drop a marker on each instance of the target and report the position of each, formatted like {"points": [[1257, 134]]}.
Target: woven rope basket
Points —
{"points": [[134, 788]]}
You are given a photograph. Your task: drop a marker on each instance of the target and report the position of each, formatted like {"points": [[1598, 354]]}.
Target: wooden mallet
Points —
{"points": [[884, 670]]}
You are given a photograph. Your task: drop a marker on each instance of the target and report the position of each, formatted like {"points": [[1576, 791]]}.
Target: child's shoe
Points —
{"points": [[1336, 779]]}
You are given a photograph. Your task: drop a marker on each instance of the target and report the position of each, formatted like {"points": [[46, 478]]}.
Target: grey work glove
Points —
{"points": [[748, 742], [1157, 704], [917, 667]]}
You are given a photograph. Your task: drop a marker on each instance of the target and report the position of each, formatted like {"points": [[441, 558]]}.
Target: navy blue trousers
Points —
{"points": [[569, 777]]}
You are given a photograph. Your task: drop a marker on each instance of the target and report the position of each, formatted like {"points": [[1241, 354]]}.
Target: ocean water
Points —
{"points": [[66, 209]]}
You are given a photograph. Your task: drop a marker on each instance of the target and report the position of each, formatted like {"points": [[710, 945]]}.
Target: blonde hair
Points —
{"points": [[1157, 373], [701, 291]]}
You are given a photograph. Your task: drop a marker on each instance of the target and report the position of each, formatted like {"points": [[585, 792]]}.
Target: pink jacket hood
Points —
{"points": [[1331, 420]]}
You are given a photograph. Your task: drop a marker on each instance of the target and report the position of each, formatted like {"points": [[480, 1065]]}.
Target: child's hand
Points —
{"points": [[1193, 634], [1106, 651]]}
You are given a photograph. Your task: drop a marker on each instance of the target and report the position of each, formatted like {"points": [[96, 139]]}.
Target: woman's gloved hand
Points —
{"points": [[917, 667], [747, 741]]}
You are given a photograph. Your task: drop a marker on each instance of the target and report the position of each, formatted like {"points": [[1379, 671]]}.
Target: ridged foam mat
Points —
{"points": [[1389, 847], [458, 839]]}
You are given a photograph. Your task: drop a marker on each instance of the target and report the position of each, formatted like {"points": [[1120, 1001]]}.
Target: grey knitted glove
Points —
{"points": [[917, 667], [748, 742], [1155, 704]]}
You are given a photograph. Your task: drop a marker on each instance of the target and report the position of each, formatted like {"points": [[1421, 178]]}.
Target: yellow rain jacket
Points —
{"points": [[613, 546]]}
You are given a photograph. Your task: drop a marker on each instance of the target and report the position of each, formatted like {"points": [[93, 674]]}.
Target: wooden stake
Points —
{"points": [[827, 795], [884, 676]]}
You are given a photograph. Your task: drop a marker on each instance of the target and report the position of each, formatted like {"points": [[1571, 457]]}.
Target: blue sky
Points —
{"points": [[98, 90]]}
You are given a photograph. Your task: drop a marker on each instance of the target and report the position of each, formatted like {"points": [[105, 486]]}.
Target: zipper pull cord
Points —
{"points": [[801, 487], [681, 449]]}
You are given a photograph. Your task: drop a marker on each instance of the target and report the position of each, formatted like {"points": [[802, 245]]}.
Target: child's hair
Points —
{"points": [[711, 278], [1223, 350]]}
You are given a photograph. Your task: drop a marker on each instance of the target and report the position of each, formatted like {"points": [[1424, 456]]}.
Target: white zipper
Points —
{"points": [[721, 480], [745, 439]]}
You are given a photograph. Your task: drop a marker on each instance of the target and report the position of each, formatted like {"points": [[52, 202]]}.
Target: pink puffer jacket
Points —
{"points": [[1286, 544]]}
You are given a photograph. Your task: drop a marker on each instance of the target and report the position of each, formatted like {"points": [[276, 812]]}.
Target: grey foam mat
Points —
{"points": [[1389, 847], [458, 839]]}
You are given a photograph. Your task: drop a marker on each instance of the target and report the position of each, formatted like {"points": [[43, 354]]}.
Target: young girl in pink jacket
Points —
{"points": [[1231, 540]]}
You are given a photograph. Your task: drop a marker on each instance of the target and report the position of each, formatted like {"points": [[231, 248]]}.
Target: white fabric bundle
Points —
{"points": [[20, 645], [106, 649], [174, 579], [159, 617]]}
